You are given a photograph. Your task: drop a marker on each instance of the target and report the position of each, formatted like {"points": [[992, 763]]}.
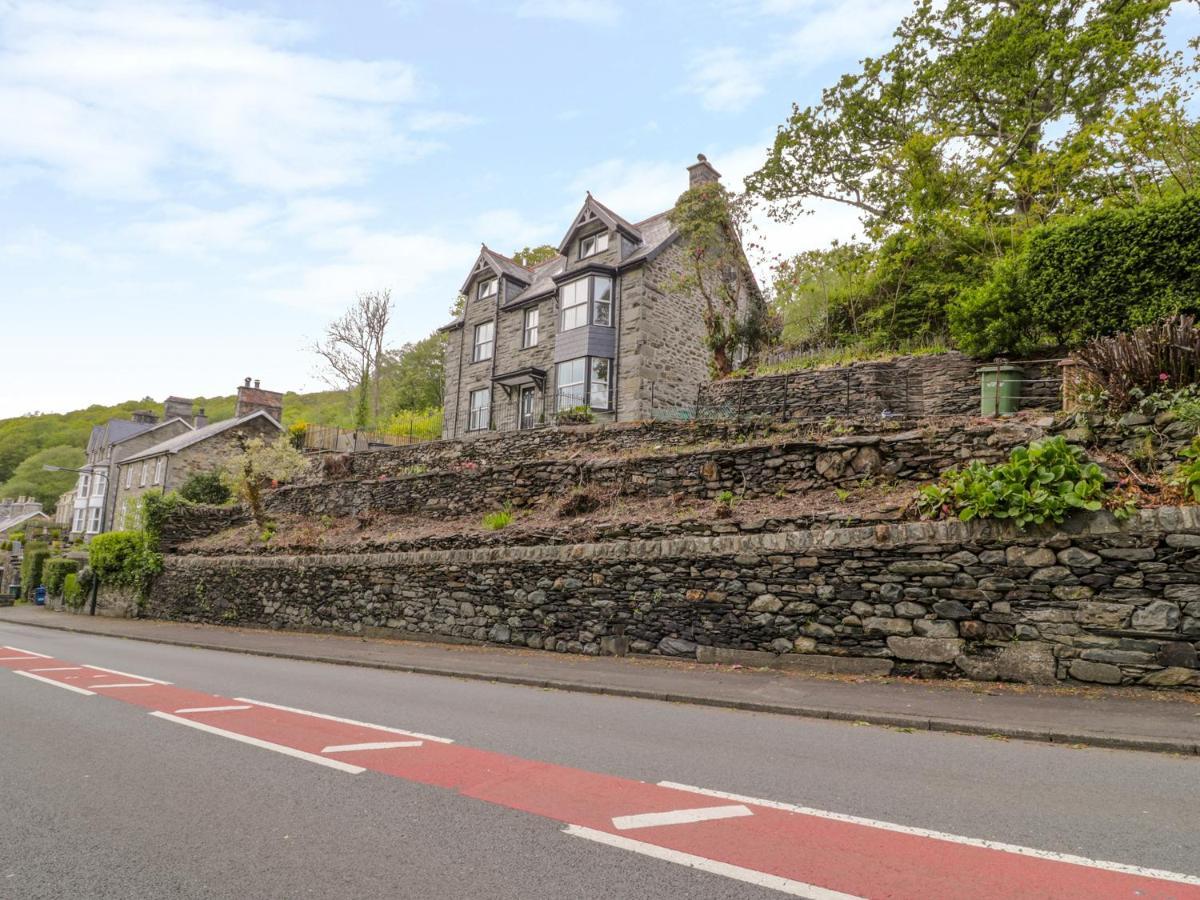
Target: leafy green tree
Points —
{"points": [[31, 480], [205, 487], [532, 256], [413, 375], [258, 466]]}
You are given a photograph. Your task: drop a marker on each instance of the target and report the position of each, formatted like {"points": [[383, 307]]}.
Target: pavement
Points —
{"points": [[1121, 718], [135, 770]]}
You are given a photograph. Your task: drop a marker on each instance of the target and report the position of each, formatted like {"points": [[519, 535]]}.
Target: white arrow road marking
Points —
{"points": [[306, 712], [128, 674], [680, 817], [194, 709], [265, 745], [65, 687], [712, 866], [379, 745]]}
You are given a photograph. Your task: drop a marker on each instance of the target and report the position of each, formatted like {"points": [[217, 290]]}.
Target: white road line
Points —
{"points": [[58, 669], [65, 687], [19, 658], [265, 745], [124, 685], [127, 674], [712, 866], [306, 712], [196, 709], [30, 652], [380, 745], [944, 836], [679, 817]]}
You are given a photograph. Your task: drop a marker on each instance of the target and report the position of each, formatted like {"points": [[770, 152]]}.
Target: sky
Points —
{"points": [[190, 191]]}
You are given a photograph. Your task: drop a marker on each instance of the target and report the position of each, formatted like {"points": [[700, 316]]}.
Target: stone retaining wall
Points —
{"points": [[1094, 601], [750, 471], [944, 384]]}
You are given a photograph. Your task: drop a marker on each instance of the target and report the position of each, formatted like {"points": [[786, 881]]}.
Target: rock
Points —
{"points": [[936, 628], [670, 646], [781, 645], [908, 610], [1175, 676], [878, 625], [1029, 662], [766, 603], [922, 567], [1182, 593], [819, 631], [977, 668], [1177, 653], [972, 629], [921, 649], [1099, 673], [1119, 657], [1134, 420], [1183, 541], [1157, 616], [1031, 557], [830, 465], [1078, 558], [1128, 554], [1072, 592], [614, 645], [804, 645], [1052, 575], [951, 609], [500, 634], [1103, 615], [867, 461]]}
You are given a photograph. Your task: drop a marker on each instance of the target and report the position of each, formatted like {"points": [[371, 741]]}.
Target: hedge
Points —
{"points": [[32, 565], [124, 558], [1110, 270], [56, 571]]}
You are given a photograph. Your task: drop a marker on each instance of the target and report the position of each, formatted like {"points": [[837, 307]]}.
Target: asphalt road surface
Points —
{"points": [[132, 770]]}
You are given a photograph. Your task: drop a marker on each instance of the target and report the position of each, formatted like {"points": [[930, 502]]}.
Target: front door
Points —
{"points": [[526, 416]]}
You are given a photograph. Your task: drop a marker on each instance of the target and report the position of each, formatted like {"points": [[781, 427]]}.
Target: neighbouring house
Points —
{"points": [[17, 515], [601, 331], [166, 465], [94, 503], [64, 510]]}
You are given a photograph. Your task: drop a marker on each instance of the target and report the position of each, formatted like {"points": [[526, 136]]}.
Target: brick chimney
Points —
{"points": [[701, 172], [253, 399], [143, 417]]}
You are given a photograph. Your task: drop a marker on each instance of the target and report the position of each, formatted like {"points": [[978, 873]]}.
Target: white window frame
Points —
{"points": [[485, 341], [594, 380], [85, 486], [569, 312], [488, 288], [593, 244], [94, 519], [145, 473], [529, 336], [480, 415], [129, 476], [583, 392], [99, 485], [80, 520], [160, 466]]}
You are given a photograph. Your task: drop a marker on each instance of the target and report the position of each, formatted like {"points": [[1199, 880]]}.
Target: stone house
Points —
{"points": [[94, 501], [17, 515], [165, 466], [602, 326]]}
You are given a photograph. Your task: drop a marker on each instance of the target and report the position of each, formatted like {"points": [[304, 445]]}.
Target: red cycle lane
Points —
{"points": [[800, 853]]}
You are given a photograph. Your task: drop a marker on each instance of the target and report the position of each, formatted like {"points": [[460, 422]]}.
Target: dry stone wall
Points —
{"points": [[1094, 601]]}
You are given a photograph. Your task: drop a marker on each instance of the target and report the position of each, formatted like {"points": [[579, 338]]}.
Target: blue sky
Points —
{"points": [[189, 191]]}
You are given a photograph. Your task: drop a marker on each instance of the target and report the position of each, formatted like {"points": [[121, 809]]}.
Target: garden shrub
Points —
{"points": [[124, 559], [1187, 474], [502, 518], [56, 571], [1040, 483], [206, 487], [32, 565], [73, 593]]}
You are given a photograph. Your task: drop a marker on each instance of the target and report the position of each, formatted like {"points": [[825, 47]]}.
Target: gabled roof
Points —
{"points": [[498, 264], [154, 427], [13, 521], [595, 211], [188, 439]]}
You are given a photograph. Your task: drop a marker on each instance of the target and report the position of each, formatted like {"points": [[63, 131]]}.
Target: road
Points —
{"points": [[113, 784]]}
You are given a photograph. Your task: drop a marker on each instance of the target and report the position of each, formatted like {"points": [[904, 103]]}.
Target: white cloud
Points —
{"points": [[724, 79], [633, 188], [433, 120], [110, 95], [586, 12], [507, 230]]}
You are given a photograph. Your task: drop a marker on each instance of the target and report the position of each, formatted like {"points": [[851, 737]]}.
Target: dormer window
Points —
{"points": [[593, 244], [487, 288]]}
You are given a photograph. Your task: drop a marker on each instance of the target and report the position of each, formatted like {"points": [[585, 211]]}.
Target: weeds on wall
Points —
{"points": [[502, 518]]}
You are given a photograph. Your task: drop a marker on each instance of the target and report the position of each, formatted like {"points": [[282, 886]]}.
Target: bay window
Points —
{"points": [[94, 523], [586, 381], [485, 340], [587, 301], [481, 407], [80, 516]]}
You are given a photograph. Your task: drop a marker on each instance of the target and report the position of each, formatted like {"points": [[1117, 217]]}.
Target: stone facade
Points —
{"points": [[943, 384], [1093, 601], [653, 342]]}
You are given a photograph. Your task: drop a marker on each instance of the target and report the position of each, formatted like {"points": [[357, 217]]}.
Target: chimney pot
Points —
{"points": [[247, 381], [256, 383]]}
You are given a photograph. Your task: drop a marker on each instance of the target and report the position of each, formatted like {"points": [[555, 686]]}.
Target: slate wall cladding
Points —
{"points": [[750, 471], [944, 384], [1094, 601]]}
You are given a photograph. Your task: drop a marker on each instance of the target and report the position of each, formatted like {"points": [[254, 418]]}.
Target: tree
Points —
{"points": [[532, 256], [29, 479], [352, 351], [992, 109], [737, 322], [414, 374], [257, 466]]}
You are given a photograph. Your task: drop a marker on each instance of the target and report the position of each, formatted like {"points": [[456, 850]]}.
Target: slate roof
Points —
{"points": [[189, 438], [13, 521]]}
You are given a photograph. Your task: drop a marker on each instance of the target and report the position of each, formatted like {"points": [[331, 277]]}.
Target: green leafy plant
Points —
{"points": [[576, 415], [72, 591], [124, 559], [1040, 483], [502, 518], [55, 573], [206, 487], [1187, 474], [32, 564]]}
